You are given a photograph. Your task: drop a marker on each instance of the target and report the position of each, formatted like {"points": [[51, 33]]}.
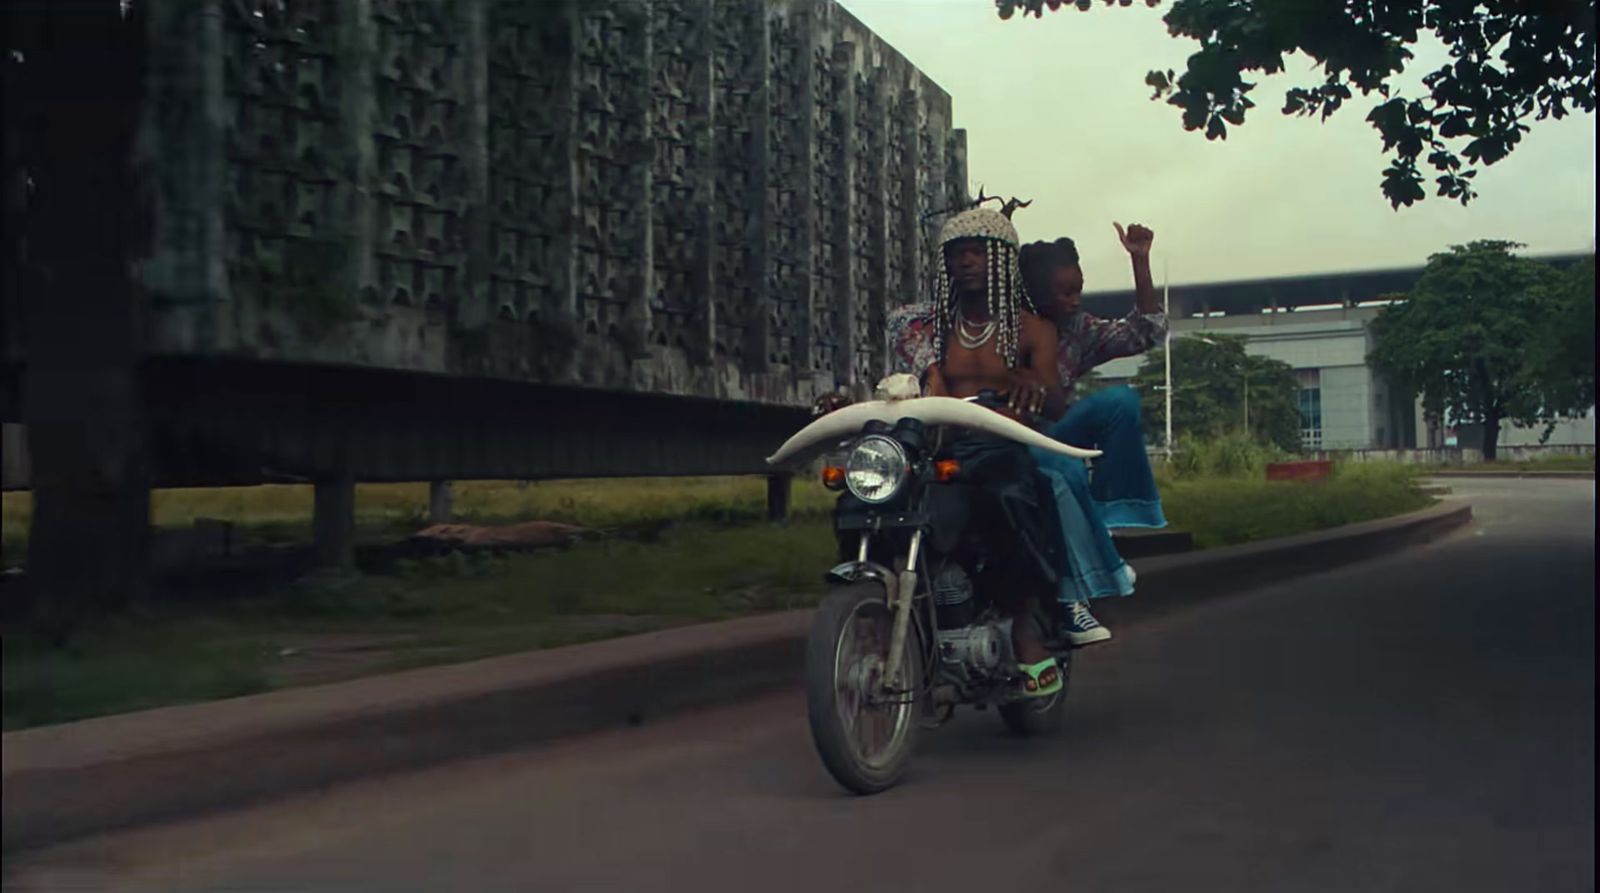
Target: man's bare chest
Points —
{"points": [[968, 371]]}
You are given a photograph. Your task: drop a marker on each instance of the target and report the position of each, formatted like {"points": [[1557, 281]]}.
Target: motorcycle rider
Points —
{"points": [[985, 338], [982, 336]]}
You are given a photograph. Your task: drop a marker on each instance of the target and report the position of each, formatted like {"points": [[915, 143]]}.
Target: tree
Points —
{"points": [[1560, 356], [1274, 402], [1483, 337], [1509, 61], [1212, 378]]}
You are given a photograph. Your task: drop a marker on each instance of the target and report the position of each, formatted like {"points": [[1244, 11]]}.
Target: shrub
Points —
{"points": [[1231, 455]]}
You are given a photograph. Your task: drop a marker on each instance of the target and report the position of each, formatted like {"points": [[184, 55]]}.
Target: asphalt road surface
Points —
{"points": [[1417, 723]]}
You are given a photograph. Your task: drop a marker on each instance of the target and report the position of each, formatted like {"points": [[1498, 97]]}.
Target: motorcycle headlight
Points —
{"points": [[876, 468]]}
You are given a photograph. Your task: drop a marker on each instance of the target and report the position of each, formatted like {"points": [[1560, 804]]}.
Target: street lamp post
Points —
{"points": [[1247, 399], [1166, 309]]}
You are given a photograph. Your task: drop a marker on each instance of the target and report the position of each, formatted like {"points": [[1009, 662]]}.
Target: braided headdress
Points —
{"points": [[1006, 296]]}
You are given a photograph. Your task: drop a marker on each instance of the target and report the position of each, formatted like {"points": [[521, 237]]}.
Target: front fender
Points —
{"points": [[871, 571], [857, 571]]}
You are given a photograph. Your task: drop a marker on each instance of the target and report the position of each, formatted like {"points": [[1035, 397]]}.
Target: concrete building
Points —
{"points": [[1320, 325], [365, 242]]}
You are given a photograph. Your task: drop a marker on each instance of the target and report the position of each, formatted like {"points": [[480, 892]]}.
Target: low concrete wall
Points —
{"points": [[1453, 455]]}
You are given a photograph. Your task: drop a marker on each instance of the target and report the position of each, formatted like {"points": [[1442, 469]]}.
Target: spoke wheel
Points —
{"points": [[864, 728]]}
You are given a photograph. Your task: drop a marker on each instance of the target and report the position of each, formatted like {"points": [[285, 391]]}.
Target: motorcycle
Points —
{"points": [[907, 633]]}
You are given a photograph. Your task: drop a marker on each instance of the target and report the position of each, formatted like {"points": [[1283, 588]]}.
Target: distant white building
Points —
{"points": [[1320, 325]]}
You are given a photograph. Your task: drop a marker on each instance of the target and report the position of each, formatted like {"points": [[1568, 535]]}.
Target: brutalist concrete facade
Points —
{"points": [[689, 197], [369, 240]]}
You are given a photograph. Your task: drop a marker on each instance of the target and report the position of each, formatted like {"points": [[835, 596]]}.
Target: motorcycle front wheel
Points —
{"points": [[864, 734]]}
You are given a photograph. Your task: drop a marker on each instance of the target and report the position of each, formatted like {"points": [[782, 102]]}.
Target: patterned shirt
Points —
{"points": [[1085, 341]]}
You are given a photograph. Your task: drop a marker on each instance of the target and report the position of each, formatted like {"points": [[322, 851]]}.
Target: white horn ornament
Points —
{"points": [[847, 422]]}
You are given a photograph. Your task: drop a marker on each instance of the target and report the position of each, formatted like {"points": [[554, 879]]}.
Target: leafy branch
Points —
{"points": [[1510, 63]]}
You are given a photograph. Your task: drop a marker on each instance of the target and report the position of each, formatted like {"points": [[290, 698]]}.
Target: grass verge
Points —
{"points": [[339, 626], [1228, 511], [282, 514]]}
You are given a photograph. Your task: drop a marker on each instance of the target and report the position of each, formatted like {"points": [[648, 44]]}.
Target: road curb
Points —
{"points": [[77, 779], [1182, 581], [1548, 475]]}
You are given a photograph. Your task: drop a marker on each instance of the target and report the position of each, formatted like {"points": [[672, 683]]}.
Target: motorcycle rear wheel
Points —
{"points": [[864, 736]]}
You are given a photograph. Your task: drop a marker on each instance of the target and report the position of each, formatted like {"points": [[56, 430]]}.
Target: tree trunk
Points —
{"points": [[1491, 432], [82, 388], [1493, 410]]}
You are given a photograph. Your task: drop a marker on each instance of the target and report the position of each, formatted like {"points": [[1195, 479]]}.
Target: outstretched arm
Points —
{"points": [[1137, 240], [1101, 340]]}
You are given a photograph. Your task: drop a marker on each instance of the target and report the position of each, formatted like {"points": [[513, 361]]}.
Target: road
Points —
{"points": [[1419, 722]]}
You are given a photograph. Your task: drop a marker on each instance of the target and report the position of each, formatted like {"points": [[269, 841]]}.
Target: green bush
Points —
{"points": [[1231, 455]]}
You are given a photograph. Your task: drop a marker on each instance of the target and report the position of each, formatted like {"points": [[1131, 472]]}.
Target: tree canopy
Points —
{"points": [[1487, 336], [1559, 362], [1212, 380], [1510, 62]]}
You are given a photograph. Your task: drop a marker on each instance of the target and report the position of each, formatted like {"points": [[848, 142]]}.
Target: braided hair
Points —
{"points": [[1003, 290], [1040, 260], [1004, 293]]}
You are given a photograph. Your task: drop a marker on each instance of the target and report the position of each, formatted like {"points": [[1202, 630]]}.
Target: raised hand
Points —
{"points": [[1136, 239]]}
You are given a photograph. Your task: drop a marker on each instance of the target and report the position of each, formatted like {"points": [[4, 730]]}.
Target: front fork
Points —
{"points": [[902, 597]]}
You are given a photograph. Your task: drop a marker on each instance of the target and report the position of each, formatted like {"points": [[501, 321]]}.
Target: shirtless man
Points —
{"points": [[984, 338], [979, 335]]}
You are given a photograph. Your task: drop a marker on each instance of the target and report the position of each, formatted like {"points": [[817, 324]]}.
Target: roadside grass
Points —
{"points": [[130, 663], [280, 514], [713, 560], [1228, 511], [440, 610]]}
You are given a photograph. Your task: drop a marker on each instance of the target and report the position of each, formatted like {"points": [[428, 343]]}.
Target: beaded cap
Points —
{"points": [[1005, 296], [979, 223]]}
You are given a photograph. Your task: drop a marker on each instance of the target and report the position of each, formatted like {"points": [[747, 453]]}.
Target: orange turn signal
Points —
{"points": [[833, 477], [945, 470]]}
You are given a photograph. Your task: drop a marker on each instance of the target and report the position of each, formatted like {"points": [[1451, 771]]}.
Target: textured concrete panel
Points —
{"points": [[685, 197]]}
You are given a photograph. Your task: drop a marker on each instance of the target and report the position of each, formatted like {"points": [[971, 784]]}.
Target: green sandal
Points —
{"points": [[1041, 680]]}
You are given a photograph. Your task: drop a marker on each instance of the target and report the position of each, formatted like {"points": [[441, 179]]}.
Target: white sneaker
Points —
{"points": [[1082, 628]]}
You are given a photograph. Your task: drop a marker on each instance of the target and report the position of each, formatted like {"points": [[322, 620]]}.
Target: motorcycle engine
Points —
{"points": [[952, 596], [980, 649]]}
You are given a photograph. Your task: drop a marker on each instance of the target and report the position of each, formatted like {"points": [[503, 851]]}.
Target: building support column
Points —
{"points": [[441, 501], [779, 489], [333, 521]]}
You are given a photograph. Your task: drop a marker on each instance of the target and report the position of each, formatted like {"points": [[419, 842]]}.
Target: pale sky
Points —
{"points": [[1057, 110]]}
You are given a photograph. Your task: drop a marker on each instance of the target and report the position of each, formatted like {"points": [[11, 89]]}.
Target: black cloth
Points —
{"points": [[1012, 508]]}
